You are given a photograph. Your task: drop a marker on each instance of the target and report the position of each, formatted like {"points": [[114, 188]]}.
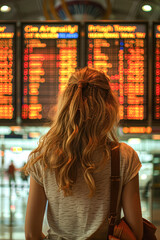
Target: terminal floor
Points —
{"points": [[13, 203]]}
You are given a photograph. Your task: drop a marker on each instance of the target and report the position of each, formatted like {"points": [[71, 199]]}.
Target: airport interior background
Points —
{"points": [[41, 43]]}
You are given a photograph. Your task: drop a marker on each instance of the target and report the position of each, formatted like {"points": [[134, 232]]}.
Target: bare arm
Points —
{"points": [[132, 208], [35, 211]]}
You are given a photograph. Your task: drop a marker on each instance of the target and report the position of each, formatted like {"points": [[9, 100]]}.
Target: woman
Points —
{"points": [[71, 165]]}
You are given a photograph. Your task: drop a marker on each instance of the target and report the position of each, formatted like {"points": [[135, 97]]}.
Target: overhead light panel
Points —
{"points": [[5, 8], [146, 8]]}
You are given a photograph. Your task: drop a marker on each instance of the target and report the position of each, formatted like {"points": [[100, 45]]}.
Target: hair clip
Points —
{"points": [[82, 84]]}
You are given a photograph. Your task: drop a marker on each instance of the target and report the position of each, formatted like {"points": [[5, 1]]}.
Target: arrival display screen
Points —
{"points": [[7, 71], [156, 72], [50, 53], [120, 50]]}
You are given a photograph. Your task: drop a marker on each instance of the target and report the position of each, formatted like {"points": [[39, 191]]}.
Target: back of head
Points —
{"points": [[87, 112], [88, 105]]}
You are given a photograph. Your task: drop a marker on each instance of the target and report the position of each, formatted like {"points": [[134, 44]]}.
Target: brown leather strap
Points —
{"points": [[115, 180]]}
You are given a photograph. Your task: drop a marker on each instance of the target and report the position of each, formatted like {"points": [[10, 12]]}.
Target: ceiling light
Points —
{"points": [[5, 8], [146, 8]]}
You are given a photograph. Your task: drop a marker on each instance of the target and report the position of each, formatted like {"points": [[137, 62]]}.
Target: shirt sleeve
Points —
{"points": [[36, 171], [130, 163]]}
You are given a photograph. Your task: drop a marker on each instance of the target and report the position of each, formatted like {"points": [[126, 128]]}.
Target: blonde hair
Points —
{"points": [[85, 120]]}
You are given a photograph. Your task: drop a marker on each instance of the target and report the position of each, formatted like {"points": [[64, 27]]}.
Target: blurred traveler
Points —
{"points": [[71, 165], [11, 173]]}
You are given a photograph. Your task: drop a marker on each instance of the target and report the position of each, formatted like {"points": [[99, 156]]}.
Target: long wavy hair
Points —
{"points": [[85, 120]]}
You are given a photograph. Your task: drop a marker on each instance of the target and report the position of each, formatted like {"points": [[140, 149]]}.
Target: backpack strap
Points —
{"points": [[114, 186]]}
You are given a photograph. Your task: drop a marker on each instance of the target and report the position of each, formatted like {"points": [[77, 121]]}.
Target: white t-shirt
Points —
{"points": [[77, 217]]}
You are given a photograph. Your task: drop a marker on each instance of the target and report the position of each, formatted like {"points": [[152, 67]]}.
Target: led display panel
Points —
{"points": [[156, 72], [7, 72], [50, 53], [120, 50]]}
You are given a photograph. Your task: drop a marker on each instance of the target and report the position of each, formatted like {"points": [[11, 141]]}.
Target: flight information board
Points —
{"points": [[120, 50], [7, 71], [156, 72], [50, 53]]}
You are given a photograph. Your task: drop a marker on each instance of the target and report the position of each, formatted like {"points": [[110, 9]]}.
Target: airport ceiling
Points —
{"points": [[80, 10]]}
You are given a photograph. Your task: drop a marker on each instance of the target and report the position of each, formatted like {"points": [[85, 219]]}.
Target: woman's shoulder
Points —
{"points": [[127, 152], [125, 148], [130, 163]]}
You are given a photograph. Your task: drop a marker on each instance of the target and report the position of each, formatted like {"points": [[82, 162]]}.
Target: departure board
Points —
{"points": [[7, 71], [156, 72], [50, 53], [120, 50]]}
